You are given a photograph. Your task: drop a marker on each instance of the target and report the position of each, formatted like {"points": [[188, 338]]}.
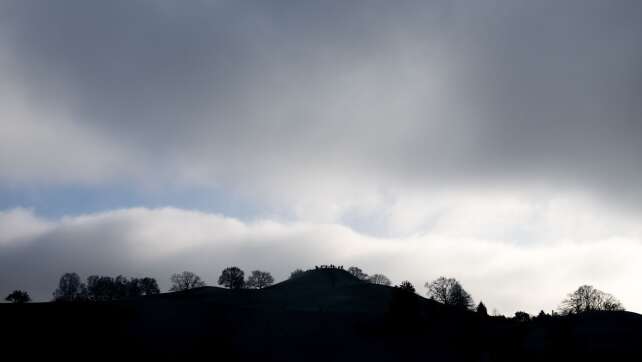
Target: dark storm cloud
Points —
{"points": [[433, 93]]}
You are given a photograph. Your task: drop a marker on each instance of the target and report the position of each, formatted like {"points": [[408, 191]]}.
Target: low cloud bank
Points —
{"points": [[506, 275]]}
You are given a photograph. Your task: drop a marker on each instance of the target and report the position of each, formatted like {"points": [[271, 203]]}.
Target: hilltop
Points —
{"points": [[322, 315]]}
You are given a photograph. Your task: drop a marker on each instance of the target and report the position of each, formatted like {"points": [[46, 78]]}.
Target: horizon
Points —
{"points": [[494, 142]]}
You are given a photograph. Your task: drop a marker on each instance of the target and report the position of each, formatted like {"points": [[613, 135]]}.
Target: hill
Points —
{"points": [[323, 315]]}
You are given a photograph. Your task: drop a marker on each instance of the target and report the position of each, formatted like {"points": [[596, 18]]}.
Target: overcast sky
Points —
{"points": [[497, 142]]}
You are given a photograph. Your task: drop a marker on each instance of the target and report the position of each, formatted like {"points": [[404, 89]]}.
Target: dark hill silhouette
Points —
{"points": [[323, 315]]}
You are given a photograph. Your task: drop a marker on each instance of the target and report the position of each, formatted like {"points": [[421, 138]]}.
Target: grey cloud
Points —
{"points": [[254, 95]]}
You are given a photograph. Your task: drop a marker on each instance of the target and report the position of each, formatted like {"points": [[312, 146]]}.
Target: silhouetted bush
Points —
{"points": [[379, 279], [185, 281], [448, 291], [522, 316], [481, 309], [18, 297], [70, 288], [296, 273], [259, 280], [542, 316], [358, 273], [586, 299], [232, 278], [407, 286]]}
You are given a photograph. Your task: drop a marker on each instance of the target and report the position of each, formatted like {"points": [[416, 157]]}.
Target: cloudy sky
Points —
{"points": [[497, 142]]}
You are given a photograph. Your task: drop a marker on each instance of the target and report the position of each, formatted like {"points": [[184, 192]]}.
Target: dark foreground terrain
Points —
{"points": [[324, 315]]}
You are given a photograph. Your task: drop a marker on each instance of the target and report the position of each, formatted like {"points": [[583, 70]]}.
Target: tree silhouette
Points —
{"points": [[587, 299], [522, 316], [185, 281], [448, 291], [402, 316], [379, 279], [105, 288], [541, 316], [232, 278], [481, 309], [259, 280], [70, 288], [148, 286], [100, 288], [18, 297], [358, 273], [407, 286], [296, 273], [460, 298]]}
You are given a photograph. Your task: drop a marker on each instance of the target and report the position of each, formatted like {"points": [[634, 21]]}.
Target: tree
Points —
{"points": [[358, 273], [296, 273], [124, 288], [259, 280], [448, 291], [379, 279], [460, 298], [541, 316], [407, 286], [100, 288], [232, 277], [105, 288], [70, 288], [481, 309], [522, 316], [148, 286], [403, 314], [587, 299], [185, 281], [18, 297]]}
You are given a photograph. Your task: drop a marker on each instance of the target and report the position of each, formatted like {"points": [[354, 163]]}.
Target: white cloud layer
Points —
{"points": [[572, 248]]}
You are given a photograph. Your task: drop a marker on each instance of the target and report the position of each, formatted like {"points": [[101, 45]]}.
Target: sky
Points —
{"points": [[497, 142]]}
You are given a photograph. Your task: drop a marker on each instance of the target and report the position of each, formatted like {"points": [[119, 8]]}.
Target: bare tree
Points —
{"points": [[379, 279], [259, 280], [358, 273], [70, 288], [448, 291], [18, 297], [185, 281], [232, 277], [586, 299]]}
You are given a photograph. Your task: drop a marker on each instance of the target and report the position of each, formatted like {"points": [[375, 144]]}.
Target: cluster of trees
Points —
{"points": [[374, 278], [100, 288], [444, 290], [231, 277]]}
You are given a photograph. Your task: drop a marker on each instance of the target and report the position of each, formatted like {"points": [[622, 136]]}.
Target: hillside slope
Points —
{"points": [[324, 315]]}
